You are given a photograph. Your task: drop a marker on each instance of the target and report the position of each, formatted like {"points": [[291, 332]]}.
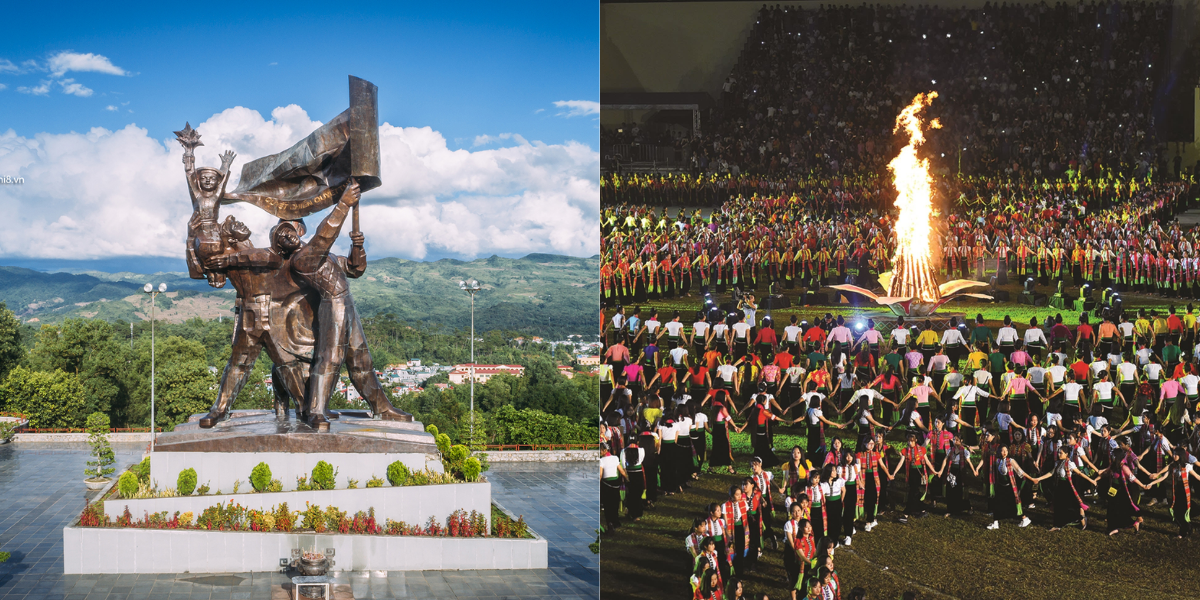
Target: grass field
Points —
{"points": [[993, 313], [934, 557]]}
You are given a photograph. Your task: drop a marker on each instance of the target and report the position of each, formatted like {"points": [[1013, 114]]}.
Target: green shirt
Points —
{"points": [[815, 359], [893, 361], [1170, 353], [996, 361], [980, 334]]}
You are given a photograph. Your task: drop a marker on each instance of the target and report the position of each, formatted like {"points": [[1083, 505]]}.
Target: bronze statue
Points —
{"points": [[293, 299]]}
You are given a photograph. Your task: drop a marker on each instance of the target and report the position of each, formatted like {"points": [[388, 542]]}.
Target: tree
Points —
{"points": [[11, 349], [102, 452], [90, 349], [49, 399], [183, 389], [169, 351]]}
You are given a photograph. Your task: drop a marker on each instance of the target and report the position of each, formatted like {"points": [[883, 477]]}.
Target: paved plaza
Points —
{"points": [[41, 491]]}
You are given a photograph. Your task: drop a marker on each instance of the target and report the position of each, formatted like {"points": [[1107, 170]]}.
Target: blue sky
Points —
{"points": [[464, 69], [489, 121]]}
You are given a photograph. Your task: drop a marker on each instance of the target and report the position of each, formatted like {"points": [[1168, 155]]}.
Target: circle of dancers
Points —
{"points": [[899, 417]]}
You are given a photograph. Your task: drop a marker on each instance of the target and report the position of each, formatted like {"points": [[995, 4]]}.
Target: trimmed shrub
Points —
{"points": [[102, 452], [323, 476], [128, 484], [471, 469], [260, 477], [143, 470], [374, 482], [187, 482], [443, 442], [276, 486], [397, 473]]}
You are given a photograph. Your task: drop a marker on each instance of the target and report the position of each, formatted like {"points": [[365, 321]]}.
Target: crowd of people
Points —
{"points": [[1025, 90], [1122, 238], [1104, 414]]}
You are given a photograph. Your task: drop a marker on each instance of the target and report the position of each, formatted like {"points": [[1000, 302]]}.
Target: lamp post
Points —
{"points": [[471, 288], [149, 289]]}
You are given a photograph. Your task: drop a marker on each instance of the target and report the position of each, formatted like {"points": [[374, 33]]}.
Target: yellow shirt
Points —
{"points": [[1142, 326], [928, 338], [975, 360], [1189, 321], [1160, 325]]}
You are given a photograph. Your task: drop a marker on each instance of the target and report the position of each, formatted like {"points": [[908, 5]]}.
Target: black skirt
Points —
{"points": [[722, 454], [1121, 510]]}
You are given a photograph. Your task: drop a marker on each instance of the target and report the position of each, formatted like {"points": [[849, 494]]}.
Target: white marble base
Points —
{"points": [[101, 550], [220, 469]]}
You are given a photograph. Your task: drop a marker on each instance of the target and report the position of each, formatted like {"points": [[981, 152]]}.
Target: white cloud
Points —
{"points": [[73, 88], [577, 108], [540, 110], [85, 193], [40, 90], [484, 140], [272, 64], [6, 66], [3, 87], [63, 62], [111, 108]]}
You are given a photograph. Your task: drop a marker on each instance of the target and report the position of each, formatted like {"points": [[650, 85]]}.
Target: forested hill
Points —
{"points": [[540, 294]]}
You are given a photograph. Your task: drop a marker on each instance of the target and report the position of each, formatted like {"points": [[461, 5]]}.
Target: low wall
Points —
{"points": [[105, 550], [411, 504], [506, 456], [115, 438], [220, 469]]}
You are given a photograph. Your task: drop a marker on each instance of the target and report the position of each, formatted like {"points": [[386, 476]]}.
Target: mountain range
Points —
{"points": [[540, 294]]}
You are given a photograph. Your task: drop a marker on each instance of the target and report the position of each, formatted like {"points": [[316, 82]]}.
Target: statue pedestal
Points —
{"points": [[356, 445]]}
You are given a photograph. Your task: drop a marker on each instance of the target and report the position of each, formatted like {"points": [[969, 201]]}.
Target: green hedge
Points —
{"points": [[530, 426]]}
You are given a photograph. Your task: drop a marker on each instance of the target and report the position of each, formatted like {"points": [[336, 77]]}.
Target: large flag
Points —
{"points": [[309, 176]]}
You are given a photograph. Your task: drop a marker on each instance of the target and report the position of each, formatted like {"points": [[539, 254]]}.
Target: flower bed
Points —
{"points": [[313, 519]]}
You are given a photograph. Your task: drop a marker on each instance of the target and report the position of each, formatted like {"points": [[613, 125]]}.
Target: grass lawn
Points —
{"points": [[933, 556], [993, 313]]}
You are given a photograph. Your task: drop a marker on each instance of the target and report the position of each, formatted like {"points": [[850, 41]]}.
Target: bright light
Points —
{"points": [[922, 36], [947, 35], [162, 287], [913, 275], [149, 287]]}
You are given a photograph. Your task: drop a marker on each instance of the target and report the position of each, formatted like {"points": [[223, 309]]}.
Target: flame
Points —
{"points": [[913, 271]]}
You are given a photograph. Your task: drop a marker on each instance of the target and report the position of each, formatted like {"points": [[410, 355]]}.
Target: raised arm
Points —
{"points": [[310, 256]]}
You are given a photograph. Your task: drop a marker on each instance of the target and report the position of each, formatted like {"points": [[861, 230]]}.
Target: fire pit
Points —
{"points": [[312, 566]]}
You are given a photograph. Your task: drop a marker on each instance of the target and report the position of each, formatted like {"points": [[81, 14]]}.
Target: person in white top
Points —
{"points": [[611, 473], [700, 334], [618, 321], [900, 336], [791, 334], [679, 357], [1035, 339], [673, 329], [650, 327], [1007, 337]]}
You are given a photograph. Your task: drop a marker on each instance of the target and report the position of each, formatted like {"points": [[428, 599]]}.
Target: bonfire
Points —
{"points": [[911, 286]]}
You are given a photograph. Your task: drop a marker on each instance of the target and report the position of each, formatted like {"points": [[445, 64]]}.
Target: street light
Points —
{"points": [[149, 289], [471, 288]]}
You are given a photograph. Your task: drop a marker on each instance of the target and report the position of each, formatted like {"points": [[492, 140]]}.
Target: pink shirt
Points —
{"points": [[921, 393], [914, 359], [1020, 357], [1019, 385], [1170, 389]]}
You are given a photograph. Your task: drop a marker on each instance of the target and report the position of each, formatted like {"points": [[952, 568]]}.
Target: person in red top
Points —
{"points": [[1079, 368], [1174, 326], [784, 360], [814, 338], [1084, 339], [767, 340]]}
